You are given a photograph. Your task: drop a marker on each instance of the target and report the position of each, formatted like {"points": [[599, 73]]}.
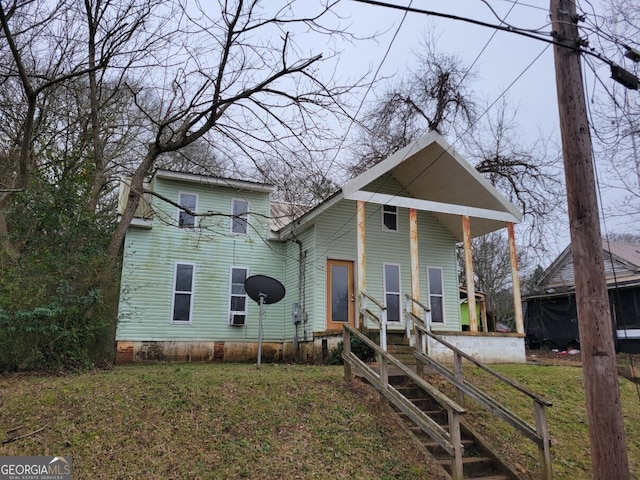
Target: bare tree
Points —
{"points": [[493, 274], [616, 114], [259, 95], [434, 97], [52, 54], [437, 96]]}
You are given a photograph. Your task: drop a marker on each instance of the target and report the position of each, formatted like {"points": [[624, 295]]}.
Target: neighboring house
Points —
{"points": [[390, 232], [481, 310], [551, 318]]}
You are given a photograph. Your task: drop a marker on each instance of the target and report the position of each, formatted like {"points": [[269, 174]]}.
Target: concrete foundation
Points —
{"points": [[484, 347]]}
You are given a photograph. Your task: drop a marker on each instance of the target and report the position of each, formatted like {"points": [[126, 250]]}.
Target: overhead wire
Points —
{"points": [[603, 220]]}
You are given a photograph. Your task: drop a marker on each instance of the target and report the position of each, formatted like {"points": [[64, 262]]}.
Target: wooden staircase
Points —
{"points": [[479, 460]]}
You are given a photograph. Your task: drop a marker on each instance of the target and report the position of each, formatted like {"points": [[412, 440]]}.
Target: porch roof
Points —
{"points": [[435, 178]]}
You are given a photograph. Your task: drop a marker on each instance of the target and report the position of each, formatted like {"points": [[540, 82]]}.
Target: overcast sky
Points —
{"points": [[504, 62]]}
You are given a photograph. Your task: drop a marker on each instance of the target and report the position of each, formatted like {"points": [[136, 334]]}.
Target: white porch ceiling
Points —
{"points": [[435, 178]]}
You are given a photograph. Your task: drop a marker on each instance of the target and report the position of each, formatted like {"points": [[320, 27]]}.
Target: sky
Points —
{"points": [[506, 63]]}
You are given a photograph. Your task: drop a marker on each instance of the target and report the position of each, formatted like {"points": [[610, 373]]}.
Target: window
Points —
{"points": [[390, 218], [392, 291], [436, 297], [240, 210], [238, 297], [190, 202], [182, 293]]}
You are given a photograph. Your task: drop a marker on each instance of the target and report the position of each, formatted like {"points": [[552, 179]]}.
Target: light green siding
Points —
{"points": [[334, 237], [150, 256]]}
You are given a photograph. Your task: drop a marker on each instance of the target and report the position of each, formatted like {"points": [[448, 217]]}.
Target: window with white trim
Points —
{"points": [[436, 294], [390, 218], [190, 202], [240, 212], [238, 297], [392, 291], [182, 303]]}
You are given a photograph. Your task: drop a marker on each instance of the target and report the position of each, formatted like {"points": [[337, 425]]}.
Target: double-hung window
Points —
{"points": [[436, 294], [238, 297], [182, 304], [190, 202], [389, 218], [392, 291], [240, 212]]}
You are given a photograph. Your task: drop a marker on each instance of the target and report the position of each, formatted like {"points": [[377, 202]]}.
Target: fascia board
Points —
{"points": [[214, 181], [430, 206]]}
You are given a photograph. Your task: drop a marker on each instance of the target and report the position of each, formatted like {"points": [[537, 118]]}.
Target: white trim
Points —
{"points": [[231, 294], [174, 292], [180, 211], [431, 206], [246, 216], [441, 295], [628, 334], [430, 138], [391, 292]]}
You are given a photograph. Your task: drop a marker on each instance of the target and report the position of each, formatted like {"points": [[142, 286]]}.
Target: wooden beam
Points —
{"points": [[468, 270], [362, 257], [515, 278], [415, 267]]}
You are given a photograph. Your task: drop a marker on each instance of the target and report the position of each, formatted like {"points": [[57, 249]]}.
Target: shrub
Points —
{"points": [[363, 351]]}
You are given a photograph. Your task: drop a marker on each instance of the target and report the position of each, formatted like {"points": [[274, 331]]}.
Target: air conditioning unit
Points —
{"points": [[237, 320]]}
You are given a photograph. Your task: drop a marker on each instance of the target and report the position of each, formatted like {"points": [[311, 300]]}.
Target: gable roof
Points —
{"points": [[434, 177], [622, 265]]}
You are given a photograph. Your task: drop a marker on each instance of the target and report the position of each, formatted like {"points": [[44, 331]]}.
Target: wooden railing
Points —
{"points": [[380, 319], [449, 440], [539, 434]]}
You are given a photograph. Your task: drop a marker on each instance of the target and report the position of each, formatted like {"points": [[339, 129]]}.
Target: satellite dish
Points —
{"points": [[263, 289]]}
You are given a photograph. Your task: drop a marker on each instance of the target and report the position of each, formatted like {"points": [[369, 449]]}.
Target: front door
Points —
{"points": [[340, 294]]}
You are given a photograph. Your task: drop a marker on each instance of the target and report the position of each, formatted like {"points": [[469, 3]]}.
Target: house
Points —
{"points": [[551, 318], [387, 234]]}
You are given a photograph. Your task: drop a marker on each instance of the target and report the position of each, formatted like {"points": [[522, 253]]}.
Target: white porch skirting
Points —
{"points": [[484, 347]]}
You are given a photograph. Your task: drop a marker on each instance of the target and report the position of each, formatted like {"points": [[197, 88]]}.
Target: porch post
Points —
{"points": [[515, 279], [415, 267], [360, 248], [468, 269]]}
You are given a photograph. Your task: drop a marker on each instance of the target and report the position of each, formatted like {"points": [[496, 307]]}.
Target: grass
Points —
{"points": [[215, 421], [284, 421], [566, 419]]}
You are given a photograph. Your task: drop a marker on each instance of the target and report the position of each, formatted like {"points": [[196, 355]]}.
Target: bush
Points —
{"points": [[360, 349]]}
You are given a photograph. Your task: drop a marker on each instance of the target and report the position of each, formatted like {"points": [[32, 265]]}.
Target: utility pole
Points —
{"points": [[604, 413]]}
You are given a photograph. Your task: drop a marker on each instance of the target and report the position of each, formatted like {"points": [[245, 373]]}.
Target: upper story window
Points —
{"points": [[182, 304], [390, 218], [240, 212], [436, 294], [190, 202]]}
